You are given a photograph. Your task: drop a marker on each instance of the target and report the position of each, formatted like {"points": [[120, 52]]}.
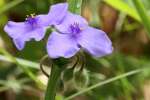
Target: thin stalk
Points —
{"points": [[24, 68], [53, 83], [143, 14], [21, 61], [10, 5], [105, 82]]}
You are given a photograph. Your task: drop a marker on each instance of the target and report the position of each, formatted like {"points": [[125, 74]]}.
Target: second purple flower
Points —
{"points": [[74, 34]]}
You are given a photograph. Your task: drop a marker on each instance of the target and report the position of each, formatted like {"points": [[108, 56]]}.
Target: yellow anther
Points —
{"points": [[32, 15]]}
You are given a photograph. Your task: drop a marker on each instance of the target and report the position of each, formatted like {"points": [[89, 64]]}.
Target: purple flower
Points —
{"points": [[34, 27], [57, 13], [75, 34]]}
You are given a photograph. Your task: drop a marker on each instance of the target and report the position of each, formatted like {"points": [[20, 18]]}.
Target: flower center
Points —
{"points": [[32, 20], [74, 28]]}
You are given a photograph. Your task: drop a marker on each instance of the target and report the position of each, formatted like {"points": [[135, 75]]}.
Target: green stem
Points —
{"points": [[53, 83], [75, 6], [105, 82], [143, 14]]}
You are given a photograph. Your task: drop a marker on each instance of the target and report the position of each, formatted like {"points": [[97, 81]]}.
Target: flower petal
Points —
{"points": [[95, 41], [57, 13], [15, 29], [61, 45], [43, 20], [19, 43], [21, 32], [37, 34], [69, 20]]}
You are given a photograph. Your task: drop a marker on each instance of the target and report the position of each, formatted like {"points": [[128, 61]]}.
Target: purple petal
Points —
{"points": [[96, 42], [21, 32], [14, 29], [57, 13], [37, 34], [43, 20], [69, 20], [19, 43], [61, 45]]}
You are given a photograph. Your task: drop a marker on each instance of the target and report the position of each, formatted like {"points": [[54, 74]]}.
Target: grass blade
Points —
{"points": [[105, 82], [123, 7], [143, 14], [10, 5]]}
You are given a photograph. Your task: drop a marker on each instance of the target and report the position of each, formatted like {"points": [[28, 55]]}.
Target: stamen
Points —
{"points": [[32, 21], [75, 28], [30, 16]]}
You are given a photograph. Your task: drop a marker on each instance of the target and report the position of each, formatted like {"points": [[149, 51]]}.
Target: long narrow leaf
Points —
{"points": [[123, 7], [143, 14], [20, 61], [106, 82], [10, 5]]}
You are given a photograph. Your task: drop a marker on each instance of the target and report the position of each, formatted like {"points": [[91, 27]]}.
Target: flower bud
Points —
{"points": [[81, 79]]}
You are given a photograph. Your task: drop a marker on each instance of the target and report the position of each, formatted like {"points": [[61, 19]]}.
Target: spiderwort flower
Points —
{"points": [[34, 27], [21, 32], [74, 34]]}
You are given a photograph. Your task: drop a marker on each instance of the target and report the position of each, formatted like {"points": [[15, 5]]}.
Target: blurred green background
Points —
{"points": [[125, 23]]}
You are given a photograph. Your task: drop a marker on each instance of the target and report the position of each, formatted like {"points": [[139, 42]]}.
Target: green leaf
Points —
{"points": [[10, 5], [59, 97], [23, 62], [143, 14], [124, 7]]}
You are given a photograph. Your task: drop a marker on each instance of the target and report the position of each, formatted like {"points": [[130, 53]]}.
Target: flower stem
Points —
{"points": [[53, 83], [75, 6]]}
